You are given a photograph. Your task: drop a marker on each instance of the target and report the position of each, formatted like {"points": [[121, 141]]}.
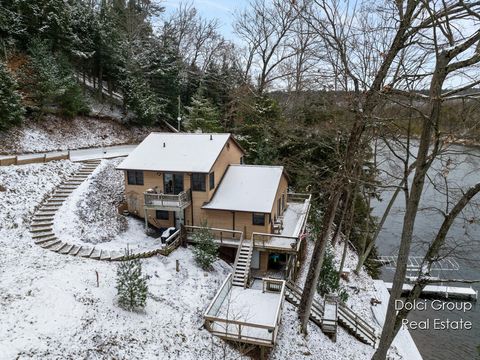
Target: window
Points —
{"points": [[135, 177], [212, 180], [258, 219], [162, 215], [173, 183], [279, 207], [198, 182]]}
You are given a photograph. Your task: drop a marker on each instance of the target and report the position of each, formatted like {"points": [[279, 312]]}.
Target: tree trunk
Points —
{"points": [[412, 204], [317, 259]]}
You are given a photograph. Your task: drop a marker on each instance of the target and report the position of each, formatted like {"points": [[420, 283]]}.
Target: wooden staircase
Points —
{"points": [[241, 267], [347, 318]]}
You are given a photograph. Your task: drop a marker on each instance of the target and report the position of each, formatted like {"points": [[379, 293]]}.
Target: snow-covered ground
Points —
{"points": [[50, 306], [53, 134]]}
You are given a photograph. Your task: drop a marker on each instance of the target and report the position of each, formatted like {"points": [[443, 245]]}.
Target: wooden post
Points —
{"points": [[98, 282], [177, 265]]}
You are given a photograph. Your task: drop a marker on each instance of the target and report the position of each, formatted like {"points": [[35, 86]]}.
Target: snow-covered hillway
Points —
{"points": [[51, 308]]}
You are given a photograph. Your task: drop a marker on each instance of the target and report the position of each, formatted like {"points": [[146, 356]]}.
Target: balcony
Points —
{"points": [[169, 202]]}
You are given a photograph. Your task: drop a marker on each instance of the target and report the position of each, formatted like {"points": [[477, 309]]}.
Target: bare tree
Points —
{"points": [[266, 29], [341, 32], [454, 52]]}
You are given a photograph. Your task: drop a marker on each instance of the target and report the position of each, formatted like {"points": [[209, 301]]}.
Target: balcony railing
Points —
{"points": [[168, 201]]}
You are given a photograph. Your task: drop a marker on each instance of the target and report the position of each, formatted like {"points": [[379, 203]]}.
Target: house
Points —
{"points": [[192, 181], [196, 180]]}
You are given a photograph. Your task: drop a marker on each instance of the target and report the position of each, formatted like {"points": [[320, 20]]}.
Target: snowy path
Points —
{"points": [[106, 152]]}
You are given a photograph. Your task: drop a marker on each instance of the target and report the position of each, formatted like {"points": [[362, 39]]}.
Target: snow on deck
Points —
{"points": [[449, 292], [403, 341], [249, 306], [292, 218], [249, 188], [179, 152]]}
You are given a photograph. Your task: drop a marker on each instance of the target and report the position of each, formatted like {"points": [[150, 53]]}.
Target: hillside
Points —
{"points": [[56, 133]]}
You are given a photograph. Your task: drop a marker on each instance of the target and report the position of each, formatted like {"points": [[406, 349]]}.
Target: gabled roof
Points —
{"points": [[176, 152], [247, 188]]}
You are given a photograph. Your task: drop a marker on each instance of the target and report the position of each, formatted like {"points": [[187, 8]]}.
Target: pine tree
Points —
{"points": [[11, 109], [203, 115], [327, 282], [205, 250], [131, 285]]}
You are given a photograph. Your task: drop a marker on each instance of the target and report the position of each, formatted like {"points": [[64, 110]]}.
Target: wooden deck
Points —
{"points": [[250, 316], [443, 291], [168, 202]]}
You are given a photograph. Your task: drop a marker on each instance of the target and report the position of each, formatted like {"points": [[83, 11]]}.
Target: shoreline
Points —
{"points": [[404, 342]]}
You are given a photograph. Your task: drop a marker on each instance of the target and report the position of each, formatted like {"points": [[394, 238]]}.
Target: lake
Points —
{"points": [[461, 165]]}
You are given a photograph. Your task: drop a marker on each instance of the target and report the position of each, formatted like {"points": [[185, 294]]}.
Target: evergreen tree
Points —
{"points": [[131, 284], [51, 81], [327, 282], [141, 100], [11, 109], [205, 250], [203, 115]]}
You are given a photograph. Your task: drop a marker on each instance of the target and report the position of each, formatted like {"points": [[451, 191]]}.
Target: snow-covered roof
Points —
{"points": [[176, 152], [247, 188]]}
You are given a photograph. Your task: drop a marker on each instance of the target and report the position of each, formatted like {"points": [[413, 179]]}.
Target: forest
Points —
{"points": [[313, 85]]}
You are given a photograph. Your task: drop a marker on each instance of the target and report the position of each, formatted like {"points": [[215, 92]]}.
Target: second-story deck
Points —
{"points": [[169, 202], [287, 240]]}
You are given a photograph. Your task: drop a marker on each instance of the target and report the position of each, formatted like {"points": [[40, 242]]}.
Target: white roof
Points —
{"points": [[247, 188], [176, 152]]}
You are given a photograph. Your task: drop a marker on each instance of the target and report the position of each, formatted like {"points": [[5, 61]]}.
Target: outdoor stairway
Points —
{"points": [[347, 318], [42, 221], [293, 294], [43, 235], [241, 267]]}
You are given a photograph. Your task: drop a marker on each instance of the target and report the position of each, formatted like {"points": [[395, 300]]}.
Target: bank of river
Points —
{"points": [[464, 171]]}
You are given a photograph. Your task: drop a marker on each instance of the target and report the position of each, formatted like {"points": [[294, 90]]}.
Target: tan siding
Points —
{"points": [[230, 154], [282, 190]]}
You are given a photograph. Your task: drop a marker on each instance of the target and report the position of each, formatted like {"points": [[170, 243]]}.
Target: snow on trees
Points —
{"points": [[131, 285]]}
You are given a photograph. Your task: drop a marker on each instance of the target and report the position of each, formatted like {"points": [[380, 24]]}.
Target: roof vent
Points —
{"points": [[211, 137], [163, 144]]}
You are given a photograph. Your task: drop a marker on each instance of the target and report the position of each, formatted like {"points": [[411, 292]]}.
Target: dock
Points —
{"points": [[443, 291]]}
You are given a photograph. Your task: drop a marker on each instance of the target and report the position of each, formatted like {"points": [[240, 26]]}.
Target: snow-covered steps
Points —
{"points": [[42, 221], [42, 224], [242, 263], [346, 317]]}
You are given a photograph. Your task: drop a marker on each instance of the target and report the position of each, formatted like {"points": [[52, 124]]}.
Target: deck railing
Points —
{"points": [[220, 296], [267, 241], [224, 236], [298, 197], [180, 200], [237, 330], [360, 326]]}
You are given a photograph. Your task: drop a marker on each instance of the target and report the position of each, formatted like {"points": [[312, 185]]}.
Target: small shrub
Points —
{"points": [[328, 281], [205, 251], [131, 285]]}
